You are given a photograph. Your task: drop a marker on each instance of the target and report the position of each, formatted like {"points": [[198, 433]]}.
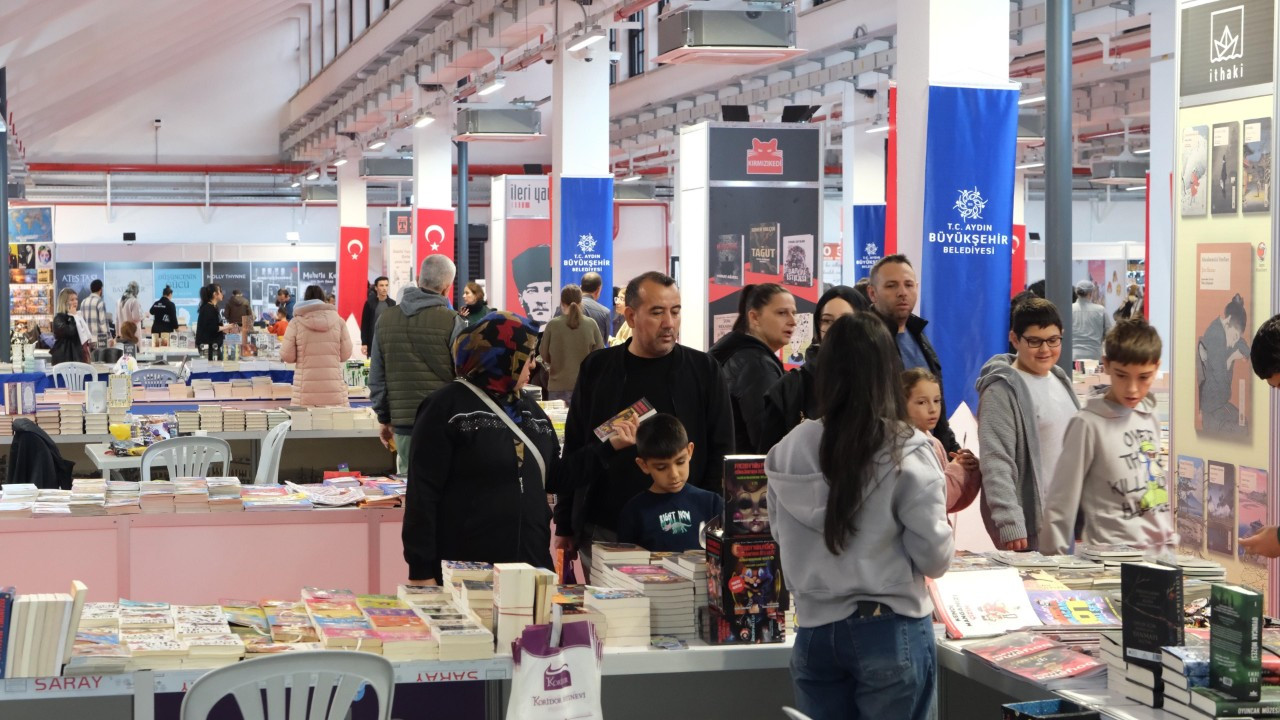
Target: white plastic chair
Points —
{"points": [[72, 374], [794, 714], [154, 377], [269, 456], [187, 456], [334, 677]]}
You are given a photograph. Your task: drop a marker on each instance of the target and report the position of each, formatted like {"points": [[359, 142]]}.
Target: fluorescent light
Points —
{"points": [[630, 178], [424, 121], [592, 36], [340, 162], [1028, 166], [314, 175], [497, 83], [295, 184], [1031, 100], [877, 129], [377, 144], [1135, 188], [292, 236], [1143, 151]]}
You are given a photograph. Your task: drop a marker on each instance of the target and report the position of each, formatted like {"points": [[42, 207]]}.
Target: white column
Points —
{"points": [[940, 42], [1164, 149], [353, 200], [433, 165], [580, 132]]}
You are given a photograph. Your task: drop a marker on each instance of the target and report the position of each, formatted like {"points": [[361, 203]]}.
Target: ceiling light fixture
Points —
{"points": [[424, 121], [878, 126], [1029, 165], [340, 162], [314, 175], [498, 82], [630, 178], [1143, 151], [1031, 100], [295, 184], [1135, 188], [377, 144], [592, 35]]}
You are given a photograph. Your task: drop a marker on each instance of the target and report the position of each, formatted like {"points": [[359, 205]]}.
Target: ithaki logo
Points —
{"points": [[1226, 30], [764, 158]]}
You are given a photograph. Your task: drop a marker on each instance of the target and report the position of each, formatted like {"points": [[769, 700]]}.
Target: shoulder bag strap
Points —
{"points": [[502, 415]]}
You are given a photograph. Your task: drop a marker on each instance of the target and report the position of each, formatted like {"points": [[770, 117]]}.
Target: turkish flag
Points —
{"points": [[353, 271], [1019, 278], [433, 235]]}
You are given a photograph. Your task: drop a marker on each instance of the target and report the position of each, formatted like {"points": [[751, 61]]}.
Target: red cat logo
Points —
{"points": [[764, 158]]}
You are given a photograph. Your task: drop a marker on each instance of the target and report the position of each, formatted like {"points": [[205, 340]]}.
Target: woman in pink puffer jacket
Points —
{"points": [[318, 343]]}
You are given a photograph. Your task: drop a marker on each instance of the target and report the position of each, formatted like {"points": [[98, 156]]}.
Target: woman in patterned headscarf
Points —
{"points": [[478, 485]]}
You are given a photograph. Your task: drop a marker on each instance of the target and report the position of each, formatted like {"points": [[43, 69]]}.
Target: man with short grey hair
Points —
{"points": [[412, 353]]}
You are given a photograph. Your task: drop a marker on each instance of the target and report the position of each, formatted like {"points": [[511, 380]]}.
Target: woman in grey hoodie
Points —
{"points": [[857, 503]]}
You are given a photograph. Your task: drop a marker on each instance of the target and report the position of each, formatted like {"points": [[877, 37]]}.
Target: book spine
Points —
{"points": [[6, 626], [1235, 643]]}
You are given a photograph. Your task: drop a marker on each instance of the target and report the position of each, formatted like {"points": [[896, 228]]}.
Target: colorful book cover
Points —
{"points": [[1054, 664], [1252, 499], [797, 260], [1190, 509], [639, 411], [1152, 607], [1221, 527], [1194, 172], [745, 508], [1225, 166], [1235, 641], [1223, 310], [764, 248], [729, 260], [1255, 172], [1074, 607], [1010, 646], [1188, 660], [982, 603]]}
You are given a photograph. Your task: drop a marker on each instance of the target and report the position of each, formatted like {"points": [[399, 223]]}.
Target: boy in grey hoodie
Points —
{"points": [[1025, 403], [1109, 469]]}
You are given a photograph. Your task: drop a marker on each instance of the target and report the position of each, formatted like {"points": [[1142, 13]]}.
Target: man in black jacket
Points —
{"points": [[894, 292], [373, 307], [674, 379]]}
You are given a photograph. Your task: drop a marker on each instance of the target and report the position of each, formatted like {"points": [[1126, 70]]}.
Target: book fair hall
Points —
{"points": [[635, 359]]}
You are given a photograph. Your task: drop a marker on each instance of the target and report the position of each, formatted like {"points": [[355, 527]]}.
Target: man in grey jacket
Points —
{"points": [[1025, 403], [412, 353]]}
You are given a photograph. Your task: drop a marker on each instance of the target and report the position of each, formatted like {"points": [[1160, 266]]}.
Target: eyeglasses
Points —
{"points": [[1035, 343]]}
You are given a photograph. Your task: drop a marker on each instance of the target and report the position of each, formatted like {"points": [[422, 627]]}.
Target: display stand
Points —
{"points": [[518, 264]]}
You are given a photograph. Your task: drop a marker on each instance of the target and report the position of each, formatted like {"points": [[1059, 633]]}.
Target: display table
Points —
{"points": [[277, 376], [96, 450]]}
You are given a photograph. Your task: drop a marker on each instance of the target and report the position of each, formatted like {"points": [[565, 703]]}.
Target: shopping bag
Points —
{"points": [[556, 678]]}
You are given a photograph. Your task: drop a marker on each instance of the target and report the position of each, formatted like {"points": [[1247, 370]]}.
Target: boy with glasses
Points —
{"points": [[1025, 402]]}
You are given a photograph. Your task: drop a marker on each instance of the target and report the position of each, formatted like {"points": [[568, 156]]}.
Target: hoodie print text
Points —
{"points": [[1142, 489]]}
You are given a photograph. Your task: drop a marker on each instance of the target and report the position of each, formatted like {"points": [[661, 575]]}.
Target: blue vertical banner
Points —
{"points": [[968, 229], [868, 239], [586, 231]]}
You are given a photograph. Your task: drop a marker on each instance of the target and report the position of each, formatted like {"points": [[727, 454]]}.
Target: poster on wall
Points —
{"points": [[729, 260], [1194, 184], [1225, 165], [268, 278], [1224, 305], [319, 273], [31, 225], [832, 264], [586, 229], [1190, 505], [77, 276], [1252, 494], [1255, 190], [528, 238], [118, 277], [231, 276], [186, 279], [1221, 530]]}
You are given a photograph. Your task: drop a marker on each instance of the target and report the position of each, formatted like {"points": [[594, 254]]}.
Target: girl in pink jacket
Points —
{"points": [[318, 343], [924, 407]]}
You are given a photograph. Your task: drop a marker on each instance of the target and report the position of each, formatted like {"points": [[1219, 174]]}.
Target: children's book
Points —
{"points": [[982, 603]]}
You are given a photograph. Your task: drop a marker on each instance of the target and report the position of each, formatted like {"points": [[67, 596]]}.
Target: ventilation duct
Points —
{"points": [[511, 124], [386, 169], [727, 37]]}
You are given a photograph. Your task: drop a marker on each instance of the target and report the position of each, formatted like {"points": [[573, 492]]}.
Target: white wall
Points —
{"points": [[1095, 221], [640, 242]]}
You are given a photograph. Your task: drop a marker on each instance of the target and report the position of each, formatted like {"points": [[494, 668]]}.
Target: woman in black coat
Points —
{"points": [[794, 398], [209, 329], [67, 345]]}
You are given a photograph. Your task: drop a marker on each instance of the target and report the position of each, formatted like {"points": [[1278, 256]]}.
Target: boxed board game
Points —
{"points": [[744, 578], [716, 628]]}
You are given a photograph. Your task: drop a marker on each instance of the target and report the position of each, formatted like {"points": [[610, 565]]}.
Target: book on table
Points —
{"points": [[1235, 642], [1037, 658], [1152, 608], [982, 603]]}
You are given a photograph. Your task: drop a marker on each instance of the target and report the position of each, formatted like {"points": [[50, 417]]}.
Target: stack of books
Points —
{"points": [[49, 421], [452, 571], [190, 495], [123, 497], [404, 635], [513, 599], [617, 554], [15, 510], [188, 421], [52, 503], [1185, 667], [275, 417], [671, 609], [155, 496], [256, 421], [233, 420], [570, 602], [97, 649], [180, 391], [692, 566], [625, 612], [71, 419], [338, 620], [289, 622], [281, 391], [260, 386], [476, 596], [242, 389], [1040, 660], [210, 642], [222, 391], [459, 636], [1151, 595], [6, 424], [18, 492], [96, 424], [210, 417], [201, 389], [321, 418], [300, 419], [88, 497], [257, 498], [224, 494]]}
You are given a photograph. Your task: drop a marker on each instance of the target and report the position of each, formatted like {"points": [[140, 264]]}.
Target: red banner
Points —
{"points": [[433, 234], [353, 271], [529, 291], [1018, 278]]}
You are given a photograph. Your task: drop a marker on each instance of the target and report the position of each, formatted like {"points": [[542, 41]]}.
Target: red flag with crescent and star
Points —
{"points": [[432, 235], [353, 271]]}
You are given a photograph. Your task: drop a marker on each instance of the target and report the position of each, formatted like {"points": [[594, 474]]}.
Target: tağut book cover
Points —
{"points": [[797, 260], [764, 248]]}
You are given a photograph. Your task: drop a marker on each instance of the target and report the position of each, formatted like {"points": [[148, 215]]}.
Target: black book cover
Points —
{"points": [[1152, 610], [1235, 642], [764, 248], [729, 260]]}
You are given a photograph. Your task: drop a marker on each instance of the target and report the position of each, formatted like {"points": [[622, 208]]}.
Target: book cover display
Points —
{"points": [[1221, 527], [1224, 321], [764, 248], [1190, 507], [744, 581], [729, 260], [746, 512], [1194, 184], [1255, 171], [1235, 642], [1151, 596], [1225, 166], [982, 603], [797, 260], [1252, 498]]}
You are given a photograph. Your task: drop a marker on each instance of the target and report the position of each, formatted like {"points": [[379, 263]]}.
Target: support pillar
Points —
{"points": [[943, 42], [862, 160], [433, 219], [353, 238], [1159, 278], [1058, 166], [581, 182]]}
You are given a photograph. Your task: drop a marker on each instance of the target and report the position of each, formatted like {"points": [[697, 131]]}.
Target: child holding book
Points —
{"points": [[667, 517], [924, 407], [1109, 471], [281, 325]]}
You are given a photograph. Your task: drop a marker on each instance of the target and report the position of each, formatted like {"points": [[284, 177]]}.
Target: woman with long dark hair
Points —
{"points": [[566, 342], [209, 330], [857, 504], [748, 356]]}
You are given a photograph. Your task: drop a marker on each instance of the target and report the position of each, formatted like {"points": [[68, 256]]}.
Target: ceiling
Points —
{"points": [[264, 83]]}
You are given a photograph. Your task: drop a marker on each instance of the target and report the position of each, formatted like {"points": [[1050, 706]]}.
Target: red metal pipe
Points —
{"points": [[246, 169], [632, 8]]}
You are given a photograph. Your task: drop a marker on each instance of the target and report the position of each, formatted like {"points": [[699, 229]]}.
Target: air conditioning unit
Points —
{"points": [[510, 124], [633, 191], [1123, 169], [727, 37], [320, 193], [386, 168]]}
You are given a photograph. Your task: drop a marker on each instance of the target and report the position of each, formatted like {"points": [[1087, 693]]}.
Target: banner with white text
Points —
{"points": [[968, 230], [586, 229]]}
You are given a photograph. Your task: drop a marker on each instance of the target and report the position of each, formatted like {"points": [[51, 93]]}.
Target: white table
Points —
{"points": [[106, 463]]}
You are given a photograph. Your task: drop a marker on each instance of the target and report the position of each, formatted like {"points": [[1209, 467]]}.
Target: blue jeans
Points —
{"points": [[866, 668]]}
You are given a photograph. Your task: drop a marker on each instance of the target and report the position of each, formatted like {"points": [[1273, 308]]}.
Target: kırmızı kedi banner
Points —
{"points": [[353, 271], [968, 230], [586, 229], [868, 239]]}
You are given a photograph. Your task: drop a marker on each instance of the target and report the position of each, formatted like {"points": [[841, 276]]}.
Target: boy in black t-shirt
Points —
{"points": [[669, 515]]}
